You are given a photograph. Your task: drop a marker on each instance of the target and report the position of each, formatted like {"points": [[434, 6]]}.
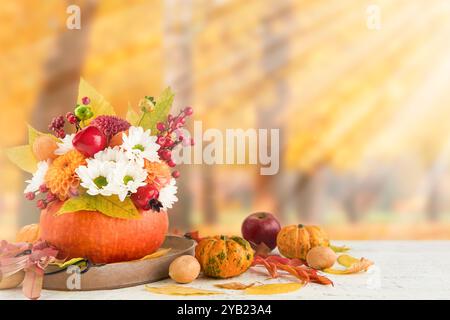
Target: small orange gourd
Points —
{"points": [[224, 257], [296, 240], [29, 233]]}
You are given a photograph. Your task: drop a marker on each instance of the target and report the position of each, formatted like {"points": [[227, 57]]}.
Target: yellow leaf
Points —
{"points": [[234, 285], [132, 116], [157, 254], [339, 249], [23, 157], [346, 260], [110, 206], [275, 288], [33, 134], [98, 105], [176, 290], [360, 265], [68, 263]]}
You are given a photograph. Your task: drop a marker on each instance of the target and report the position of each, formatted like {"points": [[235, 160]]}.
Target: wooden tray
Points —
{"points": [[123, 274]]}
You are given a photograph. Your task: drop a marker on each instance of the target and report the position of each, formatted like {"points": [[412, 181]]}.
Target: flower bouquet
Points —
{"points": [[104, 183]]}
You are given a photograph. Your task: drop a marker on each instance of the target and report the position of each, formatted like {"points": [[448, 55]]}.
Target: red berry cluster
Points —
{"points": [[57, 126], [170, 136], [41, 203]]}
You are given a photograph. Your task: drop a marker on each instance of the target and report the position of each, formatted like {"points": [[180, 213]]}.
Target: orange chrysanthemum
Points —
{"points": [[158, 173], [61, 177]]}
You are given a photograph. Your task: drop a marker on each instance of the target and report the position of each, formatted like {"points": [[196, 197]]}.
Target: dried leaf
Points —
{"points": [[346, 260], [176, 290], [65, 264], [234, 285], [157, 254], [275, 288], [339, 249], [32, 284], [361, 265], [295, 267]]}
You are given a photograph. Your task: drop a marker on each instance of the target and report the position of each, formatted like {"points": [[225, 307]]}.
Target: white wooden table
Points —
{"points": [[402, 270]]}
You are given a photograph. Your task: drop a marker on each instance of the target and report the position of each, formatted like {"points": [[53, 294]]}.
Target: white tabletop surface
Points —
{"points": [[402, 270]]}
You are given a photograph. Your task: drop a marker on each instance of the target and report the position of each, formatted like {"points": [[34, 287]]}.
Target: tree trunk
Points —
{"points": [[309, 196], [62, 72], [178, 54], [270, 194]]}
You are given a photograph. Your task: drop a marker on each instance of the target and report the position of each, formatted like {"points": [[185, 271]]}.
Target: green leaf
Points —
{"points": [[160, 112], [23, 157], [98, 105], [110, 206], [33, 134]]}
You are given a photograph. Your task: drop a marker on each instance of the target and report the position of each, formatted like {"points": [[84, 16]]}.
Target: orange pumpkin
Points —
{"points": [[224, 257], [102, 239], [296, 240], [28, 233]]}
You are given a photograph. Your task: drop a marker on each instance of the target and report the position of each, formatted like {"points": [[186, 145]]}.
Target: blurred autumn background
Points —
{"points": [[359, 89]]}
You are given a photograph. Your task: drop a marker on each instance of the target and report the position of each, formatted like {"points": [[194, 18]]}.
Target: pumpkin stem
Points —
{"points": [[300, 225], [223, 237]]}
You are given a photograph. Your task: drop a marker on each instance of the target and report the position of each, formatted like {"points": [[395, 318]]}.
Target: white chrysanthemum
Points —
{"points": [[167, 195], [97, 177], [65, 145], [140, 144], [38, 178], [114, 155], [128, 177]]}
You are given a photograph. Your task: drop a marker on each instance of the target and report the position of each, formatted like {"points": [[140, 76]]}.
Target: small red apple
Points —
{"points": [[144, 195], [89, 141], [261, 227]]}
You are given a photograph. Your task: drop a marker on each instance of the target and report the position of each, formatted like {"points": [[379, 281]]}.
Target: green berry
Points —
{"points": [[89, 114], [80, 112]]}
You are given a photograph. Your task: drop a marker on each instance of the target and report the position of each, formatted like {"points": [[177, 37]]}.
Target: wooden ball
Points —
{"points": [[321, 258], [184, 269]]}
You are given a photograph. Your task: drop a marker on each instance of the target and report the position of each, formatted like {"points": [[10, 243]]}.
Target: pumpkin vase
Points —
{"points": [[100, 238]]}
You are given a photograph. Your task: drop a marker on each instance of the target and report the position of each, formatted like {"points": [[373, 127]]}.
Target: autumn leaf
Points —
{"points": [[339, 249], [276, 288], [157, 254], [23, 157], [33, 134], [353, 265], [346, 260], [176, 290], [132, 116], [234, 285], [99, 105], [110, 206], [65, 264], [32, 284], [159, 113]]}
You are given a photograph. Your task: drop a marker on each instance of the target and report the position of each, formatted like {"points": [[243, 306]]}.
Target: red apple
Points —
{"points": [[261, 227], [89, 141]]}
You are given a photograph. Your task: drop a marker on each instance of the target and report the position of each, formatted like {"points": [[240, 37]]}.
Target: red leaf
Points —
{"points": [[32, 284], [295, 267]]}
